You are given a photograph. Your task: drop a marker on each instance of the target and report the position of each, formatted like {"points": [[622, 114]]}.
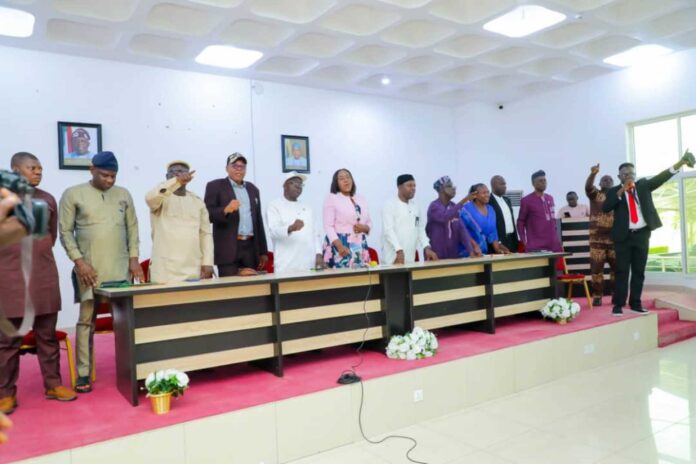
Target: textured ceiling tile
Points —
{"points": [[672, 24], [582, 5], [467, 46], [605, 47], [407, 3], [219, 3], [373, 55], [456, 96], [687, 40], [293, 11], [159, 47], [550, 66], [174, 18], [337, 74], [360, 20], [85, 35], [417, 34], [502, 82], [568, 35], [422, 65], [254, 34], [318, 45], [469, 11], [466, 73], [422, 89], [284, 66], [624, 12], [110, 10], [375, 82], [584, 73], [542, 86], [510, 57]]}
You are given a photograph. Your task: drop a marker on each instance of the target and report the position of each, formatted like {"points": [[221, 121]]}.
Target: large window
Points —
{"points": [[654, 146]]}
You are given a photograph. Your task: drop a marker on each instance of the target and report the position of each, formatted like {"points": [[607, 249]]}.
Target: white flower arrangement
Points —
{"points": [[170, 381], [561, 308], [417, 344]]}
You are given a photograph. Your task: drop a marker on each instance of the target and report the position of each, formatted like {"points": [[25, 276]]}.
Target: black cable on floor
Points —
{"points": [[352, 371]]}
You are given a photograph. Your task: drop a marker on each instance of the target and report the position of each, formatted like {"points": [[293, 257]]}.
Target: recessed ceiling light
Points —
{"points": [[224, 56], [524, 20], [637, 55], [385, 80], [16, 23]]}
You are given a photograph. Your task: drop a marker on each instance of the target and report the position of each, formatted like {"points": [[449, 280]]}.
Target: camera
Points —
{"points": [[33, 214]]}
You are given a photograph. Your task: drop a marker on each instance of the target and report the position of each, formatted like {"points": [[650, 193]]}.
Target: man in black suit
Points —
{"points": [[234, 207], [635, 217], [504, 217]]}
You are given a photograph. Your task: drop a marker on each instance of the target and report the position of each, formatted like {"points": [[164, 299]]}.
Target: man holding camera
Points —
{"points": [[45, 296], [99, 231]]}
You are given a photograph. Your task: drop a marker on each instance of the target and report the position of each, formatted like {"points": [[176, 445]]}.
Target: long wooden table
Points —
{"points": [[197, 325]]}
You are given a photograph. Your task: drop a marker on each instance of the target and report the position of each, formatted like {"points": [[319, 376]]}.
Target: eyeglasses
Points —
{"points": [[238, 167]]}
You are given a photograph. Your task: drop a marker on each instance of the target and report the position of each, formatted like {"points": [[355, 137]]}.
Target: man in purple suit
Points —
{"points": [[536, 224], [234, 207]]}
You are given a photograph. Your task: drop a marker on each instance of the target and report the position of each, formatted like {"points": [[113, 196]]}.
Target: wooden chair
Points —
{"points": [[28, 345], [571, 279]]}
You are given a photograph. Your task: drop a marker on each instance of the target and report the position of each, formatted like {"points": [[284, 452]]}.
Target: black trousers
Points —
{"points": [[246, 257], [510, 241], [631, 255]]}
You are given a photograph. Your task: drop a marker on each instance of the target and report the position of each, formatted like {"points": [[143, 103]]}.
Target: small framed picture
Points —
{"points": [[78, 142], [295, 153]]}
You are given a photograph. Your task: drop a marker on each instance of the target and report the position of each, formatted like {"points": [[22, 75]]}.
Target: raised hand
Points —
{"points": [[595, 169]]}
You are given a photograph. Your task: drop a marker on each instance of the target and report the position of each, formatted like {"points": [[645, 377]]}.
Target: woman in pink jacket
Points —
{"points": [[346, 223]]}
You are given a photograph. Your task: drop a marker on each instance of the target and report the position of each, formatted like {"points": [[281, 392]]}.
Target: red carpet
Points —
{"points": [[43, 426]]}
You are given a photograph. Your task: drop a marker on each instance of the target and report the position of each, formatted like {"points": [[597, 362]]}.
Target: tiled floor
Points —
{"points": [[635, 411]]}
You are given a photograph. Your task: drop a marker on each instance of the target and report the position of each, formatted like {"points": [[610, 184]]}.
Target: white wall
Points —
{"points": [[568, 130], [152, 115]]}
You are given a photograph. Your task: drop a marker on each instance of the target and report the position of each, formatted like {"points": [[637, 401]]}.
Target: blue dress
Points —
{"points": [[482, 228]]}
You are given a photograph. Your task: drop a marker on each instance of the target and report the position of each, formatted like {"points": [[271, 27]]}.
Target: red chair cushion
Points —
{"points": [[30, 339], [269, 264], [571, 277], [104, 324]]}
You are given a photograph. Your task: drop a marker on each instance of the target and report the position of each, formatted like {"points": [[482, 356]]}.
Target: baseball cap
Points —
{"points": [[80, 132], [183, 163], [236, 156], [292, 175]]}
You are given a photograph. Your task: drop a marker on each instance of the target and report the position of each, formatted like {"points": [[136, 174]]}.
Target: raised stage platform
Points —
{"points": [[240, 414]]}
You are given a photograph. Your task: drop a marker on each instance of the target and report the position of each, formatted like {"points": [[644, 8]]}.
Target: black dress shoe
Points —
{"points": [[640, 310], [597, 301], [617, 311]]}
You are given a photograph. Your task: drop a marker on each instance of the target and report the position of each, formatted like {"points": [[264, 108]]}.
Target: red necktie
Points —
{"points": [[633, 211]]}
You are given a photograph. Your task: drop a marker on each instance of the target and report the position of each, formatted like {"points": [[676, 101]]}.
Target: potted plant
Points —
{"points": [[561, 310], [162, 385], [417, 344]]}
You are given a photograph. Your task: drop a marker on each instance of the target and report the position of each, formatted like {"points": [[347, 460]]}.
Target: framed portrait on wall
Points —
{"points": [[78, 142], [295, 153]]}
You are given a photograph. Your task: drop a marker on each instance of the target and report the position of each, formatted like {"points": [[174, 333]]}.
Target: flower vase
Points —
{"points": [[161, 404], [562, 321]]}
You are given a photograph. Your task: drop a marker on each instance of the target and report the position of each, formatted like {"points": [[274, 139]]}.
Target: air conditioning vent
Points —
{"points": [[515, 196]]}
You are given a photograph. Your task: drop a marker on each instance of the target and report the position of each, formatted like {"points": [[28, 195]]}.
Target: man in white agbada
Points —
{"points": [[296, 246], [182, 241], [404, 226]]}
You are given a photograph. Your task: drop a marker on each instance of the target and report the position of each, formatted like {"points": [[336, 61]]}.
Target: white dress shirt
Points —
{"points": [[507, 214], [403, 229], [295, 251]]}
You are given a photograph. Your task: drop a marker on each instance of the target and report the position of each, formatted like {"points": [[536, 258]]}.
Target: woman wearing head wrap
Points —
{"points": [[346, 223], [480, 221], [445, 230]]}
